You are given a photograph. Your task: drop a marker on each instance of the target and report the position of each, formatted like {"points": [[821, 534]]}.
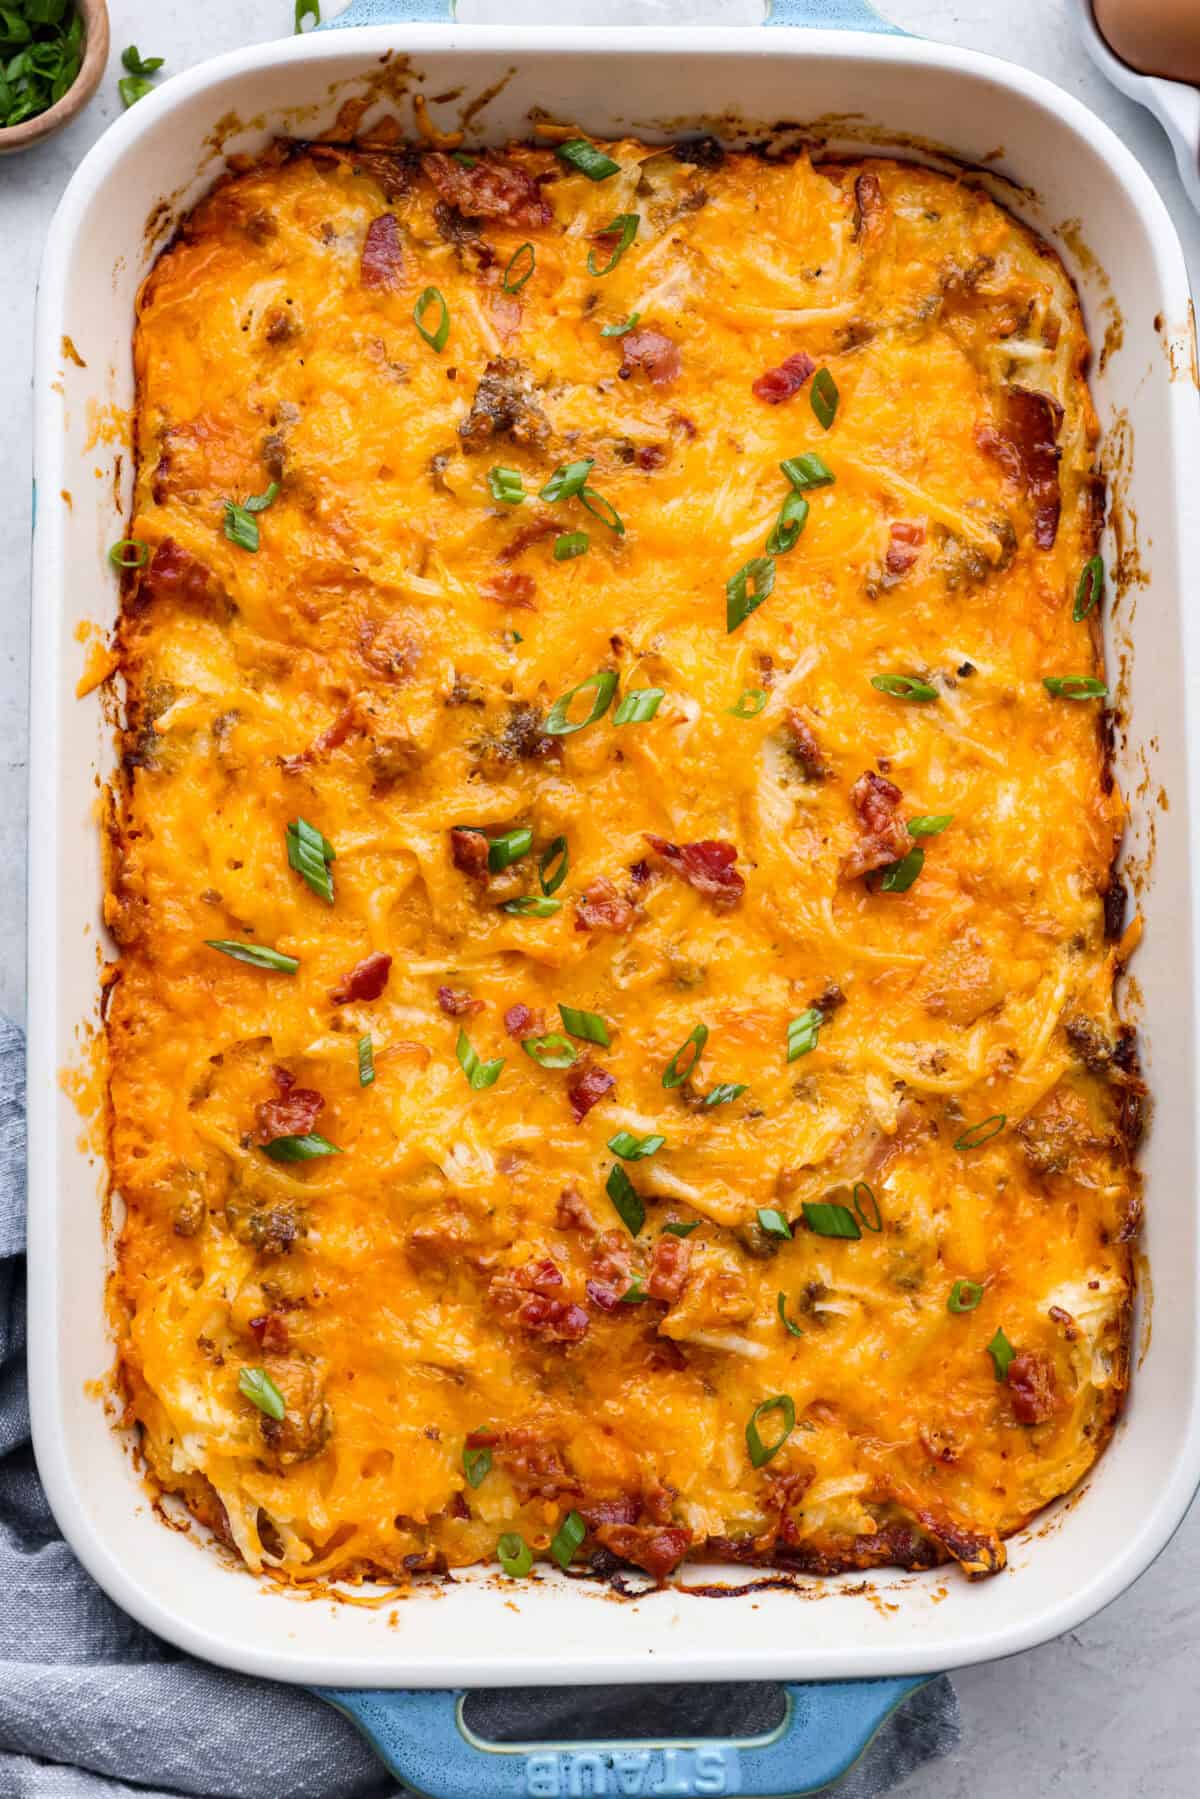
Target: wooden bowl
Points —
{"points": [[95, 55]]}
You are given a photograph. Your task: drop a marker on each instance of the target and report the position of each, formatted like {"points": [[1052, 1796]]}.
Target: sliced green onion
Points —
{"points": [[676, 1229], [550, 1051], [982, 1132], [520, 267], [506, 486], [627, 1201], [803, 1032], [1002, 1353], [964, 1296], [133, 88], [773, 1222], [366, 1062], [635, 708], [436, 339], [532, 905], [477, 1464], [479, 1074], [1089, 588], [568, 479], [467, 162], [603, 509], [558, 722], [750, 703], [552, 877], [310, 852], [898, 877], [793, 1330], [300, 1149], [131, 59], [514, 1555], [863, 1192], [635, 1149], [570, 545], [904, 687], [508, 848], [826, 1220], [823, 397], [256, 954], [760, 1452], [674, 1075], [808, 470], [241, 526], [625, 228], [256, 1385], [746, 591], [587, 159], [930, 824], [635, 1293], [724, 1092], [1075, 687], [586, 1025], [307, 9], [793, 516], [567, 1538], [129, 552], [622, 328]]}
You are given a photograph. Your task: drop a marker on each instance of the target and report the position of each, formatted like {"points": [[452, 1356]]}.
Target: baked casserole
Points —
{"points": [[613, 1046]]}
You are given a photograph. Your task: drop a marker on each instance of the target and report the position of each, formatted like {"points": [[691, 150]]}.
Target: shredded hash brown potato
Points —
{"points": [[386, 1291]]}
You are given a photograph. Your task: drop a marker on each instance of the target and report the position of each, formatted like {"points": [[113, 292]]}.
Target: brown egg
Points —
{"points": [[1158, 37]]}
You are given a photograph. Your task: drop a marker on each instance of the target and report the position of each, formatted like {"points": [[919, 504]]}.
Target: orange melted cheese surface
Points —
{"points": [[384, 666]]}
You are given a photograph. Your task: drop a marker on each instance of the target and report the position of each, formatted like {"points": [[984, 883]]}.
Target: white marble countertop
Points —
{"points": [[1109, 1710]]}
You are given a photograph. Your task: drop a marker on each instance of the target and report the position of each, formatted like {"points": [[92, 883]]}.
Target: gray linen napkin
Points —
{"points": [[90, 1702]]}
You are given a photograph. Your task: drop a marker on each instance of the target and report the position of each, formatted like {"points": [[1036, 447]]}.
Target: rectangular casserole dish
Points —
{"points": [[891, 93]]}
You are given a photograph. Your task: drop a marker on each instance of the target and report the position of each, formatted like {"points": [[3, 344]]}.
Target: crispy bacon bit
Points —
{"points": [[653, 351], [607, 1298], [382, 257], [669, 1269], [518, 1020], [1031, 1383], [586, 1087], [270, 1331], [535, 1467], [469, 852], [533, 532], [612, 1260], [647, 1546], [387, 648], [650, 456], [869, 209], [601, 908], [489, 190], [778, 385], [175, 574], [904, 544], [571, 1212], [366, 980], [293, 1114], [883, 834], [511, 588], [503, 407], [457, 1005], [805, 749], [530, 1295], [707, 866], [331, 738], [1023, 443], [394, 170], [624, 1510]]}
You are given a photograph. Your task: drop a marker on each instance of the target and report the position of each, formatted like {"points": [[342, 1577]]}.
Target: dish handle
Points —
{"points": [[426, 1742], [828, 15]]}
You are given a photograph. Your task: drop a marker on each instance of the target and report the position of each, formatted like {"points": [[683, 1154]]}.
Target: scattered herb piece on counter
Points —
{"points": [[41, 51], [134, 86], [307, 9]]}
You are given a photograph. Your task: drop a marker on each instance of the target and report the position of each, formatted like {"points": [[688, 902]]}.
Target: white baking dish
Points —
{"points": [[895, 91]]}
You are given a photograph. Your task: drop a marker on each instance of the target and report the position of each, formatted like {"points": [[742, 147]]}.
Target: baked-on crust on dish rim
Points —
{"points": [[613, 1044]]}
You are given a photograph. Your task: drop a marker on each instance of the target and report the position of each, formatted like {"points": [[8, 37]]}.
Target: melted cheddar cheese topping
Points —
{"points": [[464, 1323]]}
